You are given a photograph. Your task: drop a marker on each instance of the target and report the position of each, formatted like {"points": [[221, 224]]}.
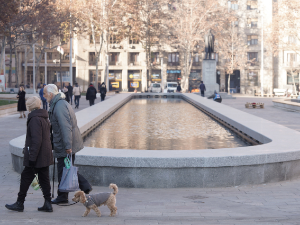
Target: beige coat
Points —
{"points": [[76, 91]]}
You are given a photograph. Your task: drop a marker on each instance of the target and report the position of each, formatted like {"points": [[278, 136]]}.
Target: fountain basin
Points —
{"points": [[276, 159]]}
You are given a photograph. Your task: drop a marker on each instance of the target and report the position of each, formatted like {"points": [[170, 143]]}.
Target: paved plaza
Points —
{"points": [[275, 203]]}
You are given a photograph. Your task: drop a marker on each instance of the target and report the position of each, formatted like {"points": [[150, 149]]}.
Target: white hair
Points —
{"points": [[52, 88]]}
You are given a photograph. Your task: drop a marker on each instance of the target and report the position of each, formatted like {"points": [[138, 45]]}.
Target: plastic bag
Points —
{"points": [[35, 183], [69, 179]]}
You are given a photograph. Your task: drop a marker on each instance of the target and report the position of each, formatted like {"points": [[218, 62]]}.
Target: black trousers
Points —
{"points": [[45, 105], [102, 97], [92, 102], [27, 177], [76, 100], [202, 93]]}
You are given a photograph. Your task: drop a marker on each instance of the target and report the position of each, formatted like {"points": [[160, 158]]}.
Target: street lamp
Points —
{"points": [[262, 53]]}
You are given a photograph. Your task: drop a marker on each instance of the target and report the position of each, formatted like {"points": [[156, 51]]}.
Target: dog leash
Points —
{"points": [[67, 205]]}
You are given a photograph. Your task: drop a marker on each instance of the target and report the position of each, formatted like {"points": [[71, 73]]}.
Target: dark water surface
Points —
{"points": [[161, 124]]}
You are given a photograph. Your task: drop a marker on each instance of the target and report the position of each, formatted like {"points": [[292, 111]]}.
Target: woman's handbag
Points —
{"points": [[69, 179]]}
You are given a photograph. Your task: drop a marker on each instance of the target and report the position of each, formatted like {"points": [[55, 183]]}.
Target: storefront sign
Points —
{"points": [[173, 71], [115, 84], [134, 84]]}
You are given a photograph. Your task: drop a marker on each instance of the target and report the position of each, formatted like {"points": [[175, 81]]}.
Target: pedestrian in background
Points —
{"points": [[66, 92], [70, 92], [37, 156], [21, 102], [91, 94], [202, 88], [66, 136], [178, 88], [44, 101], [77, 95], [103, 91]]}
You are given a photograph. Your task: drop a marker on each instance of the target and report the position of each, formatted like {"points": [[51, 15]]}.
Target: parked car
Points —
{"points": [[155, 87], [170, 87]]}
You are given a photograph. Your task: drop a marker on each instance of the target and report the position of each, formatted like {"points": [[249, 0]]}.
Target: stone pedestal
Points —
{"points": [[209, 69]]}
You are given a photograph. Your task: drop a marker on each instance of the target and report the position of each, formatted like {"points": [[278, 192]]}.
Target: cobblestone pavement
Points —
{"points": [[270, 204]]}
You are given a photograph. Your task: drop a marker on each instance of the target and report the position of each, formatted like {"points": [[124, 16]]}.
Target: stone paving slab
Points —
{"points": [[270, 204]]}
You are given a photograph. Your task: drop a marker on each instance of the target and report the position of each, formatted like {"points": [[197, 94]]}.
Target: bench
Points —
{"points": [[259, 94], [279, 92], [296, 96]]}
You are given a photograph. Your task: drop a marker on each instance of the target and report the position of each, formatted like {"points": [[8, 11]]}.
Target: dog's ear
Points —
{"points": [[82, 197]]}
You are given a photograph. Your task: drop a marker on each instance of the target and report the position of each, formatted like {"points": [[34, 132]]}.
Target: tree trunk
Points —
{"points": [[10, 62], [2, 64], [294, 84], [16, 66], [228, 87]]}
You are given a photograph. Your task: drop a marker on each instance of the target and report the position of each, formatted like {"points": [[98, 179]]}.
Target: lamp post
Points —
{"points": [[262, 53], [33, 51]]}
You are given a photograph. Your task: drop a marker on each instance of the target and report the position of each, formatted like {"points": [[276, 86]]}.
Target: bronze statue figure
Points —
{"points": [[209, 44]]}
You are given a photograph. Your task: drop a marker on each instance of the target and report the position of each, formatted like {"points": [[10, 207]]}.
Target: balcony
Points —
{"points": [[115, 63], [293, 64], [134, 63], [253, 63], [93, 63], [173, 63], [196, 64]]}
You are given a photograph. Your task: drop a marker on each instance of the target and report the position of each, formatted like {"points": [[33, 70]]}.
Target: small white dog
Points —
{"points": [[96, 200]]}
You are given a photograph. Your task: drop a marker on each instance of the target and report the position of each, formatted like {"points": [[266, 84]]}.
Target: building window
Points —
{"points": [[195, 59], [114, 59], [97, 39], [233, 5], [292, 60], [252, 39], [92, 76], [114, 39], [92, 59], [155, 58], [252, 57], [133, 40], [292, 40], [252, 22], [252, 78], [173, 59], [251, 4], [290, 76], [134, 59], [49, 55]]}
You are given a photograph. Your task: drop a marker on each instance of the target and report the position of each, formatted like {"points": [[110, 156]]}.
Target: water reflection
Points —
{"points": [[161, 124]]}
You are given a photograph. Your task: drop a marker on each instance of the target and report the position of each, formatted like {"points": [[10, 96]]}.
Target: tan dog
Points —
{"points": [[96, 200]]}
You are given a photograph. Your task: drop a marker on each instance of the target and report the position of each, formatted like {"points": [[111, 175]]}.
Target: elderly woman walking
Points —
{"points": [[21, 102], [37, 155]]}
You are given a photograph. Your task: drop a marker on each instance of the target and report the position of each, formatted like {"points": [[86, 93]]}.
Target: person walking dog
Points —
{"points": [[66, 136], [37, 156], [21, 102]]}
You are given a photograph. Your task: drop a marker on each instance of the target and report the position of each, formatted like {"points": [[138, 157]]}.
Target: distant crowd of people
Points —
{"points": [[69, 92]]}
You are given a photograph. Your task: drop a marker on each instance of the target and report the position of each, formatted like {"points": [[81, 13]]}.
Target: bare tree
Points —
{"points": [[192, 19], [283, 35], [232, 48]]}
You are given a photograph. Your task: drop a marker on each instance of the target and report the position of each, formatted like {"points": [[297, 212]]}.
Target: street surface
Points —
{"points": [[269, 204]]}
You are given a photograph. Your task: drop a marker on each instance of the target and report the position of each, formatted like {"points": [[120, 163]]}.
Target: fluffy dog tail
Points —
{"points": [[115, 187]]}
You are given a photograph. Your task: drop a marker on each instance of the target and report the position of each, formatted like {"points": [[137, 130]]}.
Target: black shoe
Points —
{"points": [[59, 201], [17, 206], [87, 191], [47, 207]]}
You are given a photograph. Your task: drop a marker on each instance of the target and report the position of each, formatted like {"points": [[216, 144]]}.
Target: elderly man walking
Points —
{"points": [[66, 135]]}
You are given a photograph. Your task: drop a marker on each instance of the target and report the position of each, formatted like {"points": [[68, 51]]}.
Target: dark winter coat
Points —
{"points": [[41, 93], [202, 87], [66, 134], [91, 93], [70, 91], [178, 88], [38, 145], [21, 101], [67, 96], [103, 90]]}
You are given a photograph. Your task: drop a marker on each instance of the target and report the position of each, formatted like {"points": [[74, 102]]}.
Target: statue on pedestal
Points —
{"points": [[209, 44]]}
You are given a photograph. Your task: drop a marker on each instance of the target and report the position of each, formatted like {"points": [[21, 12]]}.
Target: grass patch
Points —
{"points": [[7, 102]]}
